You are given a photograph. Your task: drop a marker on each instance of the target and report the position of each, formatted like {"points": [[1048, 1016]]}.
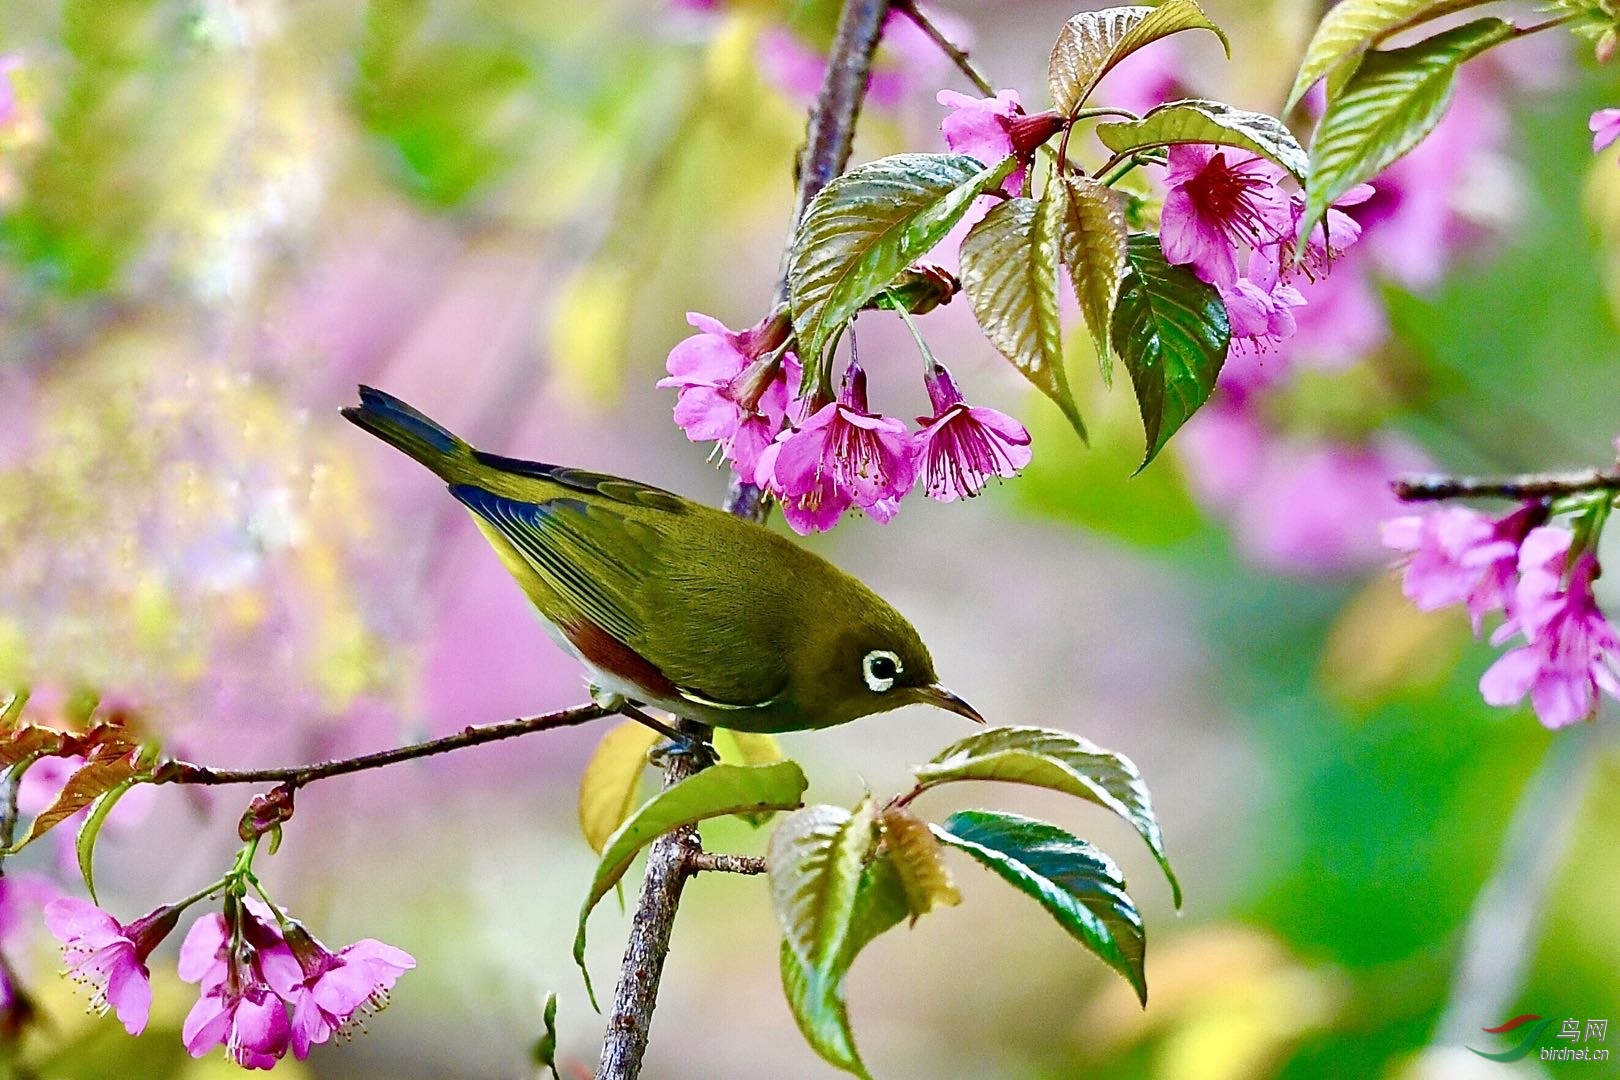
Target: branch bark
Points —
{"points": [[1527, 486], [677, 855]]}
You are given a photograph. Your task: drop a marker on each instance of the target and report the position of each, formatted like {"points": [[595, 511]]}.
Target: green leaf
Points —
{"points": [[1199, 121], [748, 748], [1077, 884], [89, 783], [1091, 241], [611, 784], [85, 843], [1092, 42], [866, 227], [1171, 331], [12, 712], [715, 792], [1352, 26], [1393, 100], [817, 998], [1009, 272], [815, 859], [1061, 761], [919, 861], [544, 1053]]}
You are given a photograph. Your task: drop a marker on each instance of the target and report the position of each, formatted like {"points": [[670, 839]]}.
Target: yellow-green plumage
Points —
{"points": [[673, 603]]}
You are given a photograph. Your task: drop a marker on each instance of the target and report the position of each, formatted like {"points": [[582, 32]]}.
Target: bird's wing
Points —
{"points": [[604, 567]]}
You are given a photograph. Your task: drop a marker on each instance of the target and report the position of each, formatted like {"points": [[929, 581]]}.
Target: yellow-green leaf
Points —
{"points": [[1061, 761], [1352, 26], [1091, 239], [85, 843], [919, 861], [815, 859], [817, 997], [864, 230], [1198, 121], [1010, 275], [715, 792], [748, 748], [1092, 42], [611, 784], [1394, 99]]}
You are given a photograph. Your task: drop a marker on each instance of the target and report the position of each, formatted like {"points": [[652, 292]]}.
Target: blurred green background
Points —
{"points": [[217, 217]]}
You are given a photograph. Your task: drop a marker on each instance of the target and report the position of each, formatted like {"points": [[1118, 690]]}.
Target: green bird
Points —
{"points": [[674, 604]]}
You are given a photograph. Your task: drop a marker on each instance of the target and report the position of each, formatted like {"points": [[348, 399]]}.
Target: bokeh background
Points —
{"points": [[216, 217]]}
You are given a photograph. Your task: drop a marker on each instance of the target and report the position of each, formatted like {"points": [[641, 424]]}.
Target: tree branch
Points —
{"points": [[1526, 486], [677, 855], [184, 772], [703, 861]]}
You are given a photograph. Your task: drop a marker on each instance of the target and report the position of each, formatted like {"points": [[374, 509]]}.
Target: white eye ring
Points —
{"points": [[880, 668]]}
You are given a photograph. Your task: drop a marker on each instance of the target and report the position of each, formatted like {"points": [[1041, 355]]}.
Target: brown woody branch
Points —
{"points": [[676, 856], [1526, 486]]}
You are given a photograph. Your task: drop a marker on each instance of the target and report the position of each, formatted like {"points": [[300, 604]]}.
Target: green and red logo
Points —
{"points": [[1527, 1044], [1578, 1039]]}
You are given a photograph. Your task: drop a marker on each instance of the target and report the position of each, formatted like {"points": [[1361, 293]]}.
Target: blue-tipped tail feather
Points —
{"points": [[401, 426]]}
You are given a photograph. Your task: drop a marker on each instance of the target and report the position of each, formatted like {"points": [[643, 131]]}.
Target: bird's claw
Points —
{"points": [[686, 746]]}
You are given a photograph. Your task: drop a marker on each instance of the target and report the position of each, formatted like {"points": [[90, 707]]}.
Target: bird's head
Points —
{"points": [[875, 663]]}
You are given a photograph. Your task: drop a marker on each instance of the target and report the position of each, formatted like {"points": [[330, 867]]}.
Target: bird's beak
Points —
{"points": [[939, 696]]}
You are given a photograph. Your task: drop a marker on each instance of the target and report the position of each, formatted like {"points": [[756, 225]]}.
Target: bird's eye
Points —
{"points": [[880, 668]]}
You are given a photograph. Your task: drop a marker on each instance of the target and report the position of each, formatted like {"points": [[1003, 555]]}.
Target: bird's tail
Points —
{"points": [[402, 427]]}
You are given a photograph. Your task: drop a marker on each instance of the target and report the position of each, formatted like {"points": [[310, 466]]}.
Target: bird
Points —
{"points": [[676, 605]]}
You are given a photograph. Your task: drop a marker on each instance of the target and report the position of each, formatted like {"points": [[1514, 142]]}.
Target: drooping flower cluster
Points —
{"points": [[845, 456], [735, 386], [266, 986], [1525, 568]]}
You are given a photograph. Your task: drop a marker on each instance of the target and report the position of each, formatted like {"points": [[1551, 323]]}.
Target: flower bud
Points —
{"points": [[1029, 131], [1606, 45]]}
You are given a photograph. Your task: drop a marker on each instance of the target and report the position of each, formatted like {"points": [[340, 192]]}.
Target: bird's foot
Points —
{"points": [[684, 746]]}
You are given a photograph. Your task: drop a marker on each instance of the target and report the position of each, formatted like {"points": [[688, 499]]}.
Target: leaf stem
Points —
{"points": [[1536, 28], [1433, 488], [957, 54], [184, 772]]}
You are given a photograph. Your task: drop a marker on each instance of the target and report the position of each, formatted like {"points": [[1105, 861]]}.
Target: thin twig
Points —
{"points": [[184, 772], [701, 861], [1525, 486], [958, 55], [675, 855]]}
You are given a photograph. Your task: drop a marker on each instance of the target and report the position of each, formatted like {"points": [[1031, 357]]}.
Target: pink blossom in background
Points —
{"points": [[1221, 450], [1144, 79], [961, 447], [1343, 318], [1605, 128], [10, 64], [337, 986], [1459, 556], [843, 455], [907, 60], [1572, 652], [1219, 202], [1315, 507], [108, 957]]}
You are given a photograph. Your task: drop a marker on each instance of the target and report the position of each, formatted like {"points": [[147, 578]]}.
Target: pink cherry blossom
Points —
{"points": [[843, 455], [982, 128], [241, 1006], [961, 447], [730, 390], [10, 64], [1261, 319], [108, 957], [1145, 78], [1605, 127], [337, 986], [906, 60], [1315, 507], [1572, 651], [1460, 556], [1218, 202], [1222, 449]]}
